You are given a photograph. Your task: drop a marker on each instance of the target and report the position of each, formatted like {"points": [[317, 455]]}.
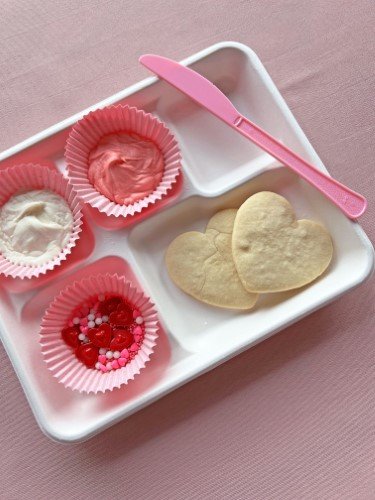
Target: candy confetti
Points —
{"points": [[106, 332]]}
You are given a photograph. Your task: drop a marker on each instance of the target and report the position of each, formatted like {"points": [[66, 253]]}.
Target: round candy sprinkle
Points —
{"points": [[98, 321], [91, 324], [105, 319], [81, 336], [139, 320], [109, 354], [91, 317], [97, 365], [102, 350], [116, 354], [76, 321]]}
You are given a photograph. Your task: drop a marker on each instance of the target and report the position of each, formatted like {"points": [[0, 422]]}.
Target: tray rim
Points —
{"points": [[60, 126]]}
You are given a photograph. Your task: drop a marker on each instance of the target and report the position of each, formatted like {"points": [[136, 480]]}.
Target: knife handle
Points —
{"points": [[351, 203]]}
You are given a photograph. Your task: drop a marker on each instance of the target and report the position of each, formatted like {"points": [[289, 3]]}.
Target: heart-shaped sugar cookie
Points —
{"points": [[272, 250], [202, 264]]}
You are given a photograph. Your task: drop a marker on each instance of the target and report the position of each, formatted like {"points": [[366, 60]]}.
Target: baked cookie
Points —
{"points": [[273, 251], [202, 264]]}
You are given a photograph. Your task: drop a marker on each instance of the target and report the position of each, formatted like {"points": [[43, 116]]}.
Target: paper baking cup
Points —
{"points": [[61, 359], [29, 177], [86, 134]]}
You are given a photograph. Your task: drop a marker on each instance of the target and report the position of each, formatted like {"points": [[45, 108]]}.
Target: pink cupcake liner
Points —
{"points": [[60, 358], [87, 132], [29, 177]]}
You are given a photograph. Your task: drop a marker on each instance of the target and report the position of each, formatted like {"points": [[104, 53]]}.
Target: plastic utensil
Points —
{"points": [[210, 97]]}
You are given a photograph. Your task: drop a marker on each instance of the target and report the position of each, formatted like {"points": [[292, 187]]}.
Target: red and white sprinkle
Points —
{"points": [[90, 316]]}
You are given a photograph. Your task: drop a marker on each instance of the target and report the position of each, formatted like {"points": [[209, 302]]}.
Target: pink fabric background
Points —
{"points": [[293, 418]]}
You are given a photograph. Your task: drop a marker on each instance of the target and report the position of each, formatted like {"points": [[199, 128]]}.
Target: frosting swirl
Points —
{"points": [[34, 227], [125, 167]]}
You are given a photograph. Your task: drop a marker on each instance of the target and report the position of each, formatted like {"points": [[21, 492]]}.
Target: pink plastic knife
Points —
{"points": [[210, 97]]}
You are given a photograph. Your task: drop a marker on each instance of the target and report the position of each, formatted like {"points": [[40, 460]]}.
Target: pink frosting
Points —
{"points": [[125, 167]]}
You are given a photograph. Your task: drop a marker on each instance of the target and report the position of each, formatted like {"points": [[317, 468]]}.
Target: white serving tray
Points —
{"points": [[221, 169]]}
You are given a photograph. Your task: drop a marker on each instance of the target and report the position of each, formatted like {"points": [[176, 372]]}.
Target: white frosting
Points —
{"points": [[34, 227]]}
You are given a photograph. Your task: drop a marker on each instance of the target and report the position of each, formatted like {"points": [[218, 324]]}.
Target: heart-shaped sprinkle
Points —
{"points": [[102, 358], [121, 361], [115, 364], [70, 336], [121, 340], [123, 316], [134, 347], [88, 354], [100, 336], [138, 330], [125, 353], [109, 305]]}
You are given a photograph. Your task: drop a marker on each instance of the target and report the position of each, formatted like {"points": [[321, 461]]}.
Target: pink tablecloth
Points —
{"points": [[293, 418]]}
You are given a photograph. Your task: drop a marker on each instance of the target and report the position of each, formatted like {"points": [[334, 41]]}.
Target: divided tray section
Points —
{"points": [[224, 330], [65, 409]]}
